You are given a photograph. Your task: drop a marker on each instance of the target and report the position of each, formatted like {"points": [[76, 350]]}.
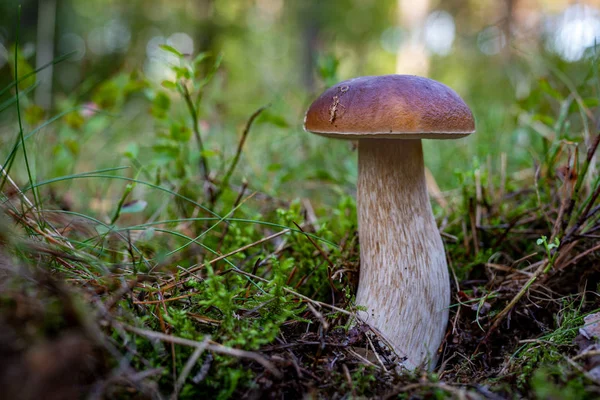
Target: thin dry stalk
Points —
{"points": [[210, 346], [213, 261], [500, 317], [188, 366]]}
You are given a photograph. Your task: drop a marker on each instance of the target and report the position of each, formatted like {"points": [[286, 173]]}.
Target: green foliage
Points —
{"points": [[174, 132], [248, 314], [25, 72], [557, 382], [546, 352], [328, 69], [362, 379]]}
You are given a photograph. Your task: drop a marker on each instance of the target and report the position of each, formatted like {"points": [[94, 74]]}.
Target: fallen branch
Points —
{"points": [[207, 344]]}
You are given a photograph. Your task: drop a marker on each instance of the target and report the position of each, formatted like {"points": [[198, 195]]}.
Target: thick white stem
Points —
{"points": [[404, 282]]}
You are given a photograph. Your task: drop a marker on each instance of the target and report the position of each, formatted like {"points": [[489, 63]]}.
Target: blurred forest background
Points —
{"points": [[283, 53]]}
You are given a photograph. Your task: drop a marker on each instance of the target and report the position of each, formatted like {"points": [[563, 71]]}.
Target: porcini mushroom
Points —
{"points": [[404, 282]]}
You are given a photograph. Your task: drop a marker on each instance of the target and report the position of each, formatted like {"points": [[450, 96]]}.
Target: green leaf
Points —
{"points": [[34, 114], [274, 167], [132, 150], [546, 119], [74, 120], [106, 95], [201, 57], [171, 50], [180, 133], [212, 72], [327, 66], [134, 206], [182, 72], [27, 76], [272, 118], [209, 153], [72, 145], [545, 87], [169, 85], [167, 148], [591, 102], [161, 103]]}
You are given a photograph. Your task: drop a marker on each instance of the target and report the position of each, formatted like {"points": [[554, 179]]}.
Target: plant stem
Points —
{"points": [[204, 167], [238, 152], [21, 135]]}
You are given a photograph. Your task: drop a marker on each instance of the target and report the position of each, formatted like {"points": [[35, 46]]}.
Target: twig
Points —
{"points": [[331, 265], [294, 293], [319, 316], [506, 268], [581, 370], [363, 359], [31, 206], [183, 296], [500, 317], [375, 352], [568, 203], [585, 215], [165, 327], [125, 288], [238, 153], [209, 345], [235, 205], [502, 174], [585, 354], [580, 256], [214, 260], [478, 198], [16, 188], [188, 367], [434, 190], [581, 177], [348, 379], [204, 168], [473, 220], [21, 134]]}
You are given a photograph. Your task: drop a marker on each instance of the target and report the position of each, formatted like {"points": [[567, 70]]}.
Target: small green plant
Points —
{"points": [[557, 382], [550, 248], [174, 130]]}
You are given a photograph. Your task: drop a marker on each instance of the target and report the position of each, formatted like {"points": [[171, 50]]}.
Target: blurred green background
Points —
{"points": [[284, 53]]}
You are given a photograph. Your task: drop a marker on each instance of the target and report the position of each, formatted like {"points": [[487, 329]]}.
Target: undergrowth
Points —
{"points": [[174, 276]]}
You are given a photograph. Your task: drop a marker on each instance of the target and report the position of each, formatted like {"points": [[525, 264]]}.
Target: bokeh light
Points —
{"points": [[491, 40], [391, 39], [3, 55], [156, 66], [182, 42], [114, 36], [574, 31], [439, 32], [72, 42]]}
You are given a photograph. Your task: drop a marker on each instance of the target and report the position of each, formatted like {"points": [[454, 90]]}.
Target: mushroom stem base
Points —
{"points": [[404, 281]]}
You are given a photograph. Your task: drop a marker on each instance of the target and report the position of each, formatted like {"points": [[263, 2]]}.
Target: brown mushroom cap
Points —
{"points": [[390, 107]]}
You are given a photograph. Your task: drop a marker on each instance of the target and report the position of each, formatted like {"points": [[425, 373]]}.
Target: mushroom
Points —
{"points": [[404, 282]]}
